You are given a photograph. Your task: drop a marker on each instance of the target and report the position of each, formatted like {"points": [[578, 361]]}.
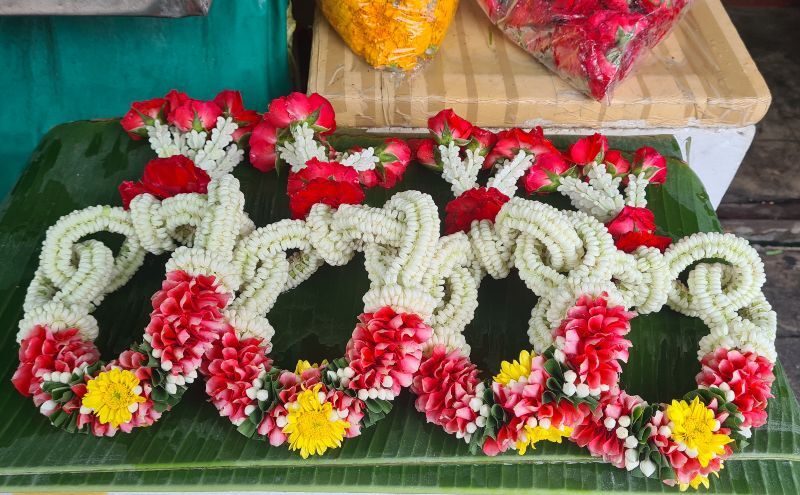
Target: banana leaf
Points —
{"points": [[192, 448]]}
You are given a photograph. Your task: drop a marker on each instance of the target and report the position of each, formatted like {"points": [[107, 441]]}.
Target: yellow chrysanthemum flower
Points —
{"points": [[515, 369], [695, 483], [537, 434], [312, 424], [303, 365], [694, 425], [113, 396]]}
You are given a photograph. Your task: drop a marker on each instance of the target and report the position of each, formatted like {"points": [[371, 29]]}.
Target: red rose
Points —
{"points": [[482, 140], [632, 240], [142, 114], [632, 219], [474, 204], [446, 126], [545, 174], [262, 146], [175, 99], [329, 183], [297, 107], [166, 177], [511, 141], [424, 151], [231, 104], [616, 164], [652, 163], [194, 115], [394, 155], [588, 150]]}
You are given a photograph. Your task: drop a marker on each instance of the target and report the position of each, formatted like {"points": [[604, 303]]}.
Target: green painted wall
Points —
{"points": [[58, 69]]}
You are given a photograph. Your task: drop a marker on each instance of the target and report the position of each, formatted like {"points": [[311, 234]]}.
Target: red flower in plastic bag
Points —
{"points": [[194, 115], [313, 109], [329, 183], [748, 375], [545, 174], [632, 219], [386, 349], [263, 140], [480, 203], [166, 177], [444, 386], [142, 114], [511, 141], [45, 351], [446, 126], [230, 367], [394, 155], [652, 163], [588, 150]]}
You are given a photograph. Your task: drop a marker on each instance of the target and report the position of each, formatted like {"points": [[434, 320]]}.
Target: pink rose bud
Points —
{"points": [[446, 126], [262, 146], [195, 115], [616, 164], [142, 114], [591, 149], [482, 141], [652, 163], [297, 108], [546, 173]]}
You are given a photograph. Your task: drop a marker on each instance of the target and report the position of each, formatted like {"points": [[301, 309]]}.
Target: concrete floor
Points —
{"points": [[763, 203]]}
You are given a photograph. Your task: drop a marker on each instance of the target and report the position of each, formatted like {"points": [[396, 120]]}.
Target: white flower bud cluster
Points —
{"points": [[301, 148], [461, 174], [636, 191], [218, 155], [361, 161], [600, 197], [507, 176]]}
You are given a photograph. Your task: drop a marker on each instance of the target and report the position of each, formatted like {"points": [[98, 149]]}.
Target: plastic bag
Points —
{"points": [[391, 34], [590, 43]]}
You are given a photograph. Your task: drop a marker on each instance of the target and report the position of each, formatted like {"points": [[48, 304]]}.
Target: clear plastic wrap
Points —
{"points": [[591, 43], [391, 34]]}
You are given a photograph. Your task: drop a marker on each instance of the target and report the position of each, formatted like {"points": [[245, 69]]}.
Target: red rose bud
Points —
{"points": [[482, 141], [632, 219], [616, 164], [263, 139], [633, 240], [424, 151], [480, 203], [142, 114], [588, 150], [446, 126], [194, 115], [394, 156], [652, 163], [511, 141], [545, 175], [166, 177], [297, 108], [329, 183], [231, 104], [175, 99]]}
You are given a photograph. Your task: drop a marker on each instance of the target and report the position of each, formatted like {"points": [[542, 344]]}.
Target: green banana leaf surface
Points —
{"points": [[192, 448]]}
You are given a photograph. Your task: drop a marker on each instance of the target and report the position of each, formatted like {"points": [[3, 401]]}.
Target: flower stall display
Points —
{"points": [[591, 269], [394, 35], [592, 44]]}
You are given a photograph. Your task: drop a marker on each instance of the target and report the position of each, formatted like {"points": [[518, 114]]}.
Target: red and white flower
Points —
{"points": [[546, 173], [616, 164], [652, 163], [329, 183], [314, 109], [194, 115], [448, 127], [141, 115], [394, 156], [385, 351], [165, 178], [232, 105], [745, 376], [511, 141], [590, 149]]}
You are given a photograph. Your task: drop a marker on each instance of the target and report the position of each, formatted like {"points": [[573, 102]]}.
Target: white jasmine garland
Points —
{"points": [[507, 176], [461, 174], [361, 161], [600, 197]]}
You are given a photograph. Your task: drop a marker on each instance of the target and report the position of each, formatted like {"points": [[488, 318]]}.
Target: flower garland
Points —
{"points": [[593, 270], [590, 268]]}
